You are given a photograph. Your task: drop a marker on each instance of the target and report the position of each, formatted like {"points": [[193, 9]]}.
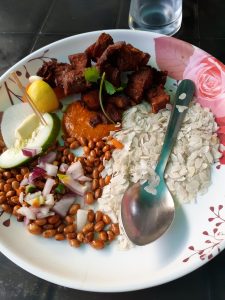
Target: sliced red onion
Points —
{"points": [[48, 186], [84, 178], [37, 173], [81, 219], [51, 170], [75, 170], [25, 181], [31, 152], [27, 212], [48, 158], [49, 200], [21, 197], [63, 168], [62, 206], [74, 186]]}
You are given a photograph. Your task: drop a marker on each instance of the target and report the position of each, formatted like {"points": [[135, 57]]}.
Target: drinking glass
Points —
{"points": [[161, 16]]}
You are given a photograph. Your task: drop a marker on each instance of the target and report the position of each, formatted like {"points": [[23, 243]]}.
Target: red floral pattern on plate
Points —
{"points": [[184, 61], [214, 239]]}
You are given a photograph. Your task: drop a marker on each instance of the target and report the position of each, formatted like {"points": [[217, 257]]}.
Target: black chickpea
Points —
{"points": [[80, 237], [97, 244], [59, 237], [49, 233], [86, 150], [98, 216], [88, 228], [71, 235], [69, 220], [95, 184], [41, 222], [95, 173], [74, 145], [107, 155], [103, 236], [89, 198], [34, 229], [74, 208], [106, 148], [91, 144], [74, 243], [98, 193], [106, 219], [91, 216]]}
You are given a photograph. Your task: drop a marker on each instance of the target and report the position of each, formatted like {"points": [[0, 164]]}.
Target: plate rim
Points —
{"points": [[54, 278]]}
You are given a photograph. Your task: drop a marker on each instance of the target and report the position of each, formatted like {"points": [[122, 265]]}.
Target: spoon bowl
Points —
{"points": [[147, 216]]}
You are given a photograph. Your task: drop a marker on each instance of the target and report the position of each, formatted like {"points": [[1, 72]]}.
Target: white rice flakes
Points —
{"points": [[188, 170]]}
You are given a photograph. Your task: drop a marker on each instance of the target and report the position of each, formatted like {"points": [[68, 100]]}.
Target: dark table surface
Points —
{"points": [[27, 25]]}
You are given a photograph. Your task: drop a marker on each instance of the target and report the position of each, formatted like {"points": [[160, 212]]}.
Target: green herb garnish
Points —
{"points": [[92, 74], [100, 98], [30, 188], [111, 89], [60, 189]]}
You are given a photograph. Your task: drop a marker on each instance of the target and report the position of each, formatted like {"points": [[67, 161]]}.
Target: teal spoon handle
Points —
{"points": [[184, 95]]}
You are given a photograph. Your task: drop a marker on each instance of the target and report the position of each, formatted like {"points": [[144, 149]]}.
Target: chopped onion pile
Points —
{"points": [[42, 203]]}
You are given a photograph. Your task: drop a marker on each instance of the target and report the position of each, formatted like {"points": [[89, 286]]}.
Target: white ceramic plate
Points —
{"points": [[198, 231]]}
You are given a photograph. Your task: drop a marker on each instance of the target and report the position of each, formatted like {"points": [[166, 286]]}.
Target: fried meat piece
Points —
{"points": [[112, 75], [120, 101], [74, 82], [109, 56], [138, 82], [123, 56], [158, 98], [91, 99], [95, 120], [131, 58], [79, 61], [114, 113], [60, 70], [159, 77], [52, 72], [95, 50]]}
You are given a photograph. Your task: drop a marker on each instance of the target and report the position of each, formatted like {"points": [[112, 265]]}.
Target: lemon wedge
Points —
{"points": [[43, 96]]}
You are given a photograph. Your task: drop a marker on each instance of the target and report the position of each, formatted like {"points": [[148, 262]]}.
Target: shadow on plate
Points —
{"points": [[170, 245]]}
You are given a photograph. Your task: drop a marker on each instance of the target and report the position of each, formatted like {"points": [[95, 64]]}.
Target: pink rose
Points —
{"points": [[209, 76]]}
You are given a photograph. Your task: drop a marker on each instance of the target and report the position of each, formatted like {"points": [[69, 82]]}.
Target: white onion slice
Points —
{"points": [[32, 196], [84, 178], [49, 200], [63, 168], [74, 185], [21, 197], [27, 212], [51, 170], [62, 206], [81, 219], [75, 170], [48, 186], [25, 181], [44, 212]]}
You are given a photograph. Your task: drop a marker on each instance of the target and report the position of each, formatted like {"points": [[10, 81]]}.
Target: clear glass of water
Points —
{"points": [[161, 16]]}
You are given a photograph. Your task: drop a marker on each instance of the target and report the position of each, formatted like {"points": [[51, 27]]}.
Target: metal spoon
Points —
{"points": [[145, 216]]}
